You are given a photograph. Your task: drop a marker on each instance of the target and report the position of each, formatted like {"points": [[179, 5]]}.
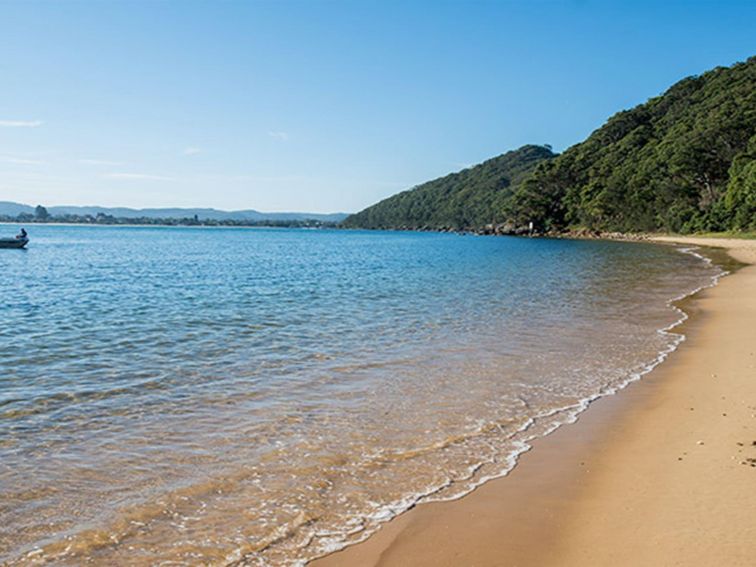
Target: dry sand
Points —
{"points": [[662, 474]]}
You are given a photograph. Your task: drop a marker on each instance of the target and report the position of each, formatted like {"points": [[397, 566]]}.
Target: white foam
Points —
{"points": [[330, 542]]}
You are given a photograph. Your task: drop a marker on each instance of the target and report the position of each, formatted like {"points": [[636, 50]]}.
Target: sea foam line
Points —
{"points": [[331, 542]]}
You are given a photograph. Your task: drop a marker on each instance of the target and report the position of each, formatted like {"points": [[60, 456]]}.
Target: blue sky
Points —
{"points": [[321, 106]]}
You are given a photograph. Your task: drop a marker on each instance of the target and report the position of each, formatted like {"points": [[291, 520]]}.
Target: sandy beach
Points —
{"points": [[661, 474]]}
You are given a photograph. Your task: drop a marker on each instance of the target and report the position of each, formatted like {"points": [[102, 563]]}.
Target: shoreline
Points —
{"points": [[598, 491], [156, 225]]}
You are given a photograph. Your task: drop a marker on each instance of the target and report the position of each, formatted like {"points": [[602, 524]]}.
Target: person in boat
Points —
{"points": [[21, 235]]}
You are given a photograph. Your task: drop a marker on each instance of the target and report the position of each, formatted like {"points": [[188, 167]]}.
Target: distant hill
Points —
{"points": [[10, 209], [684, 161], [470, 198], [14, 209]]}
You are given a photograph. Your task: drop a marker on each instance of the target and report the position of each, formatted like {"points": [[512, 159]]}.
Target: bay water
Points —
{"points": [[223, 396]]}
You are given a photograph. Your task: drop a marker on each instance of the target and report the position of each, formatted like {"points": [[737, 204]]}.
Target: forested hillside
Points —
{"points": [[684, 161], [470, 198], [681, 162]]}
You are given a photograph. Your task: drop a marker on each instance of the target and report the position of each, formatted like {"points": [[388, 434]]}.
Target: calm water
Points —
{"points": [[221, 396]]}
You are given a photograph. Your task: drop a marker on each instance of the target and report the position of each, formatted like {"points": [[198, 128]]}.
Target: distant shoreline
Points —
{"points": [[712, 239], [319, 225]]}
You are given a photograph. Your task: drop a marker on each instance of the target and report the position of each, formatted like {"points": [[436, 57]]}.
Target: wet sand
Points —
{"points": [[662, 474]]}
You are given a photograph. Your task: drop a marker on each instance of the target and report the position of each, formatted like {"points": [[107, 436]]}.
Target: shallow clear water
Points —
{"points": [[253, 396]]}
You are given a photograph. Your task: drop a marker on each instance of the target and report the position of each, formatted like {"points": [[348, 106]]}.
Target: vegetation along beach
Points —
{"points": [[356, 284]]}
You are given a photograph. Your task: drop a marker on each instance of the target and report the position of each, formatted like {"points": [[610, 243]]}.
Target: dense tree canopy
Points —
{"points": [[681, 162], [684, 161], [470, 198]]}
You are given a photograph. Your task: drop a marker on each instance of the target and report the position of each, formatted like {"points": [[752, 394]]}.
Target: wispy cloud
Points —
{"points": [[20, 123], [138, 177], [99, 162], [283, 136], [191, 151], [21, 161]]}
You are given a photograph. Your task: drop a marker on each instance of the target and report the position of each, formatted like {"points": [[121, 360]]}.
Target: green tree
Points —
{"points": [[41, 214]]}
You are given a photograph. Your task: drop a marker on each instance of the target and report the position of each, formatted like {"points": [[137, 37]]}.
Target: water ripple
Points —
{"points": [[185, 396]]}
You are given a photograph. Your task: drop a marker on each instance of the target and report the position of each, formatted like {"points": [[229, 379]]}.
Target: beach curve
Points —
{"points": [[638, 480]]}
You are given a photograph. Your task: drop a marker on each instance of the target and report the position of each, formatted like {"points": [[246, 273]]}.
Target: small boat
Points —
{"points": [[13, 242]]}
